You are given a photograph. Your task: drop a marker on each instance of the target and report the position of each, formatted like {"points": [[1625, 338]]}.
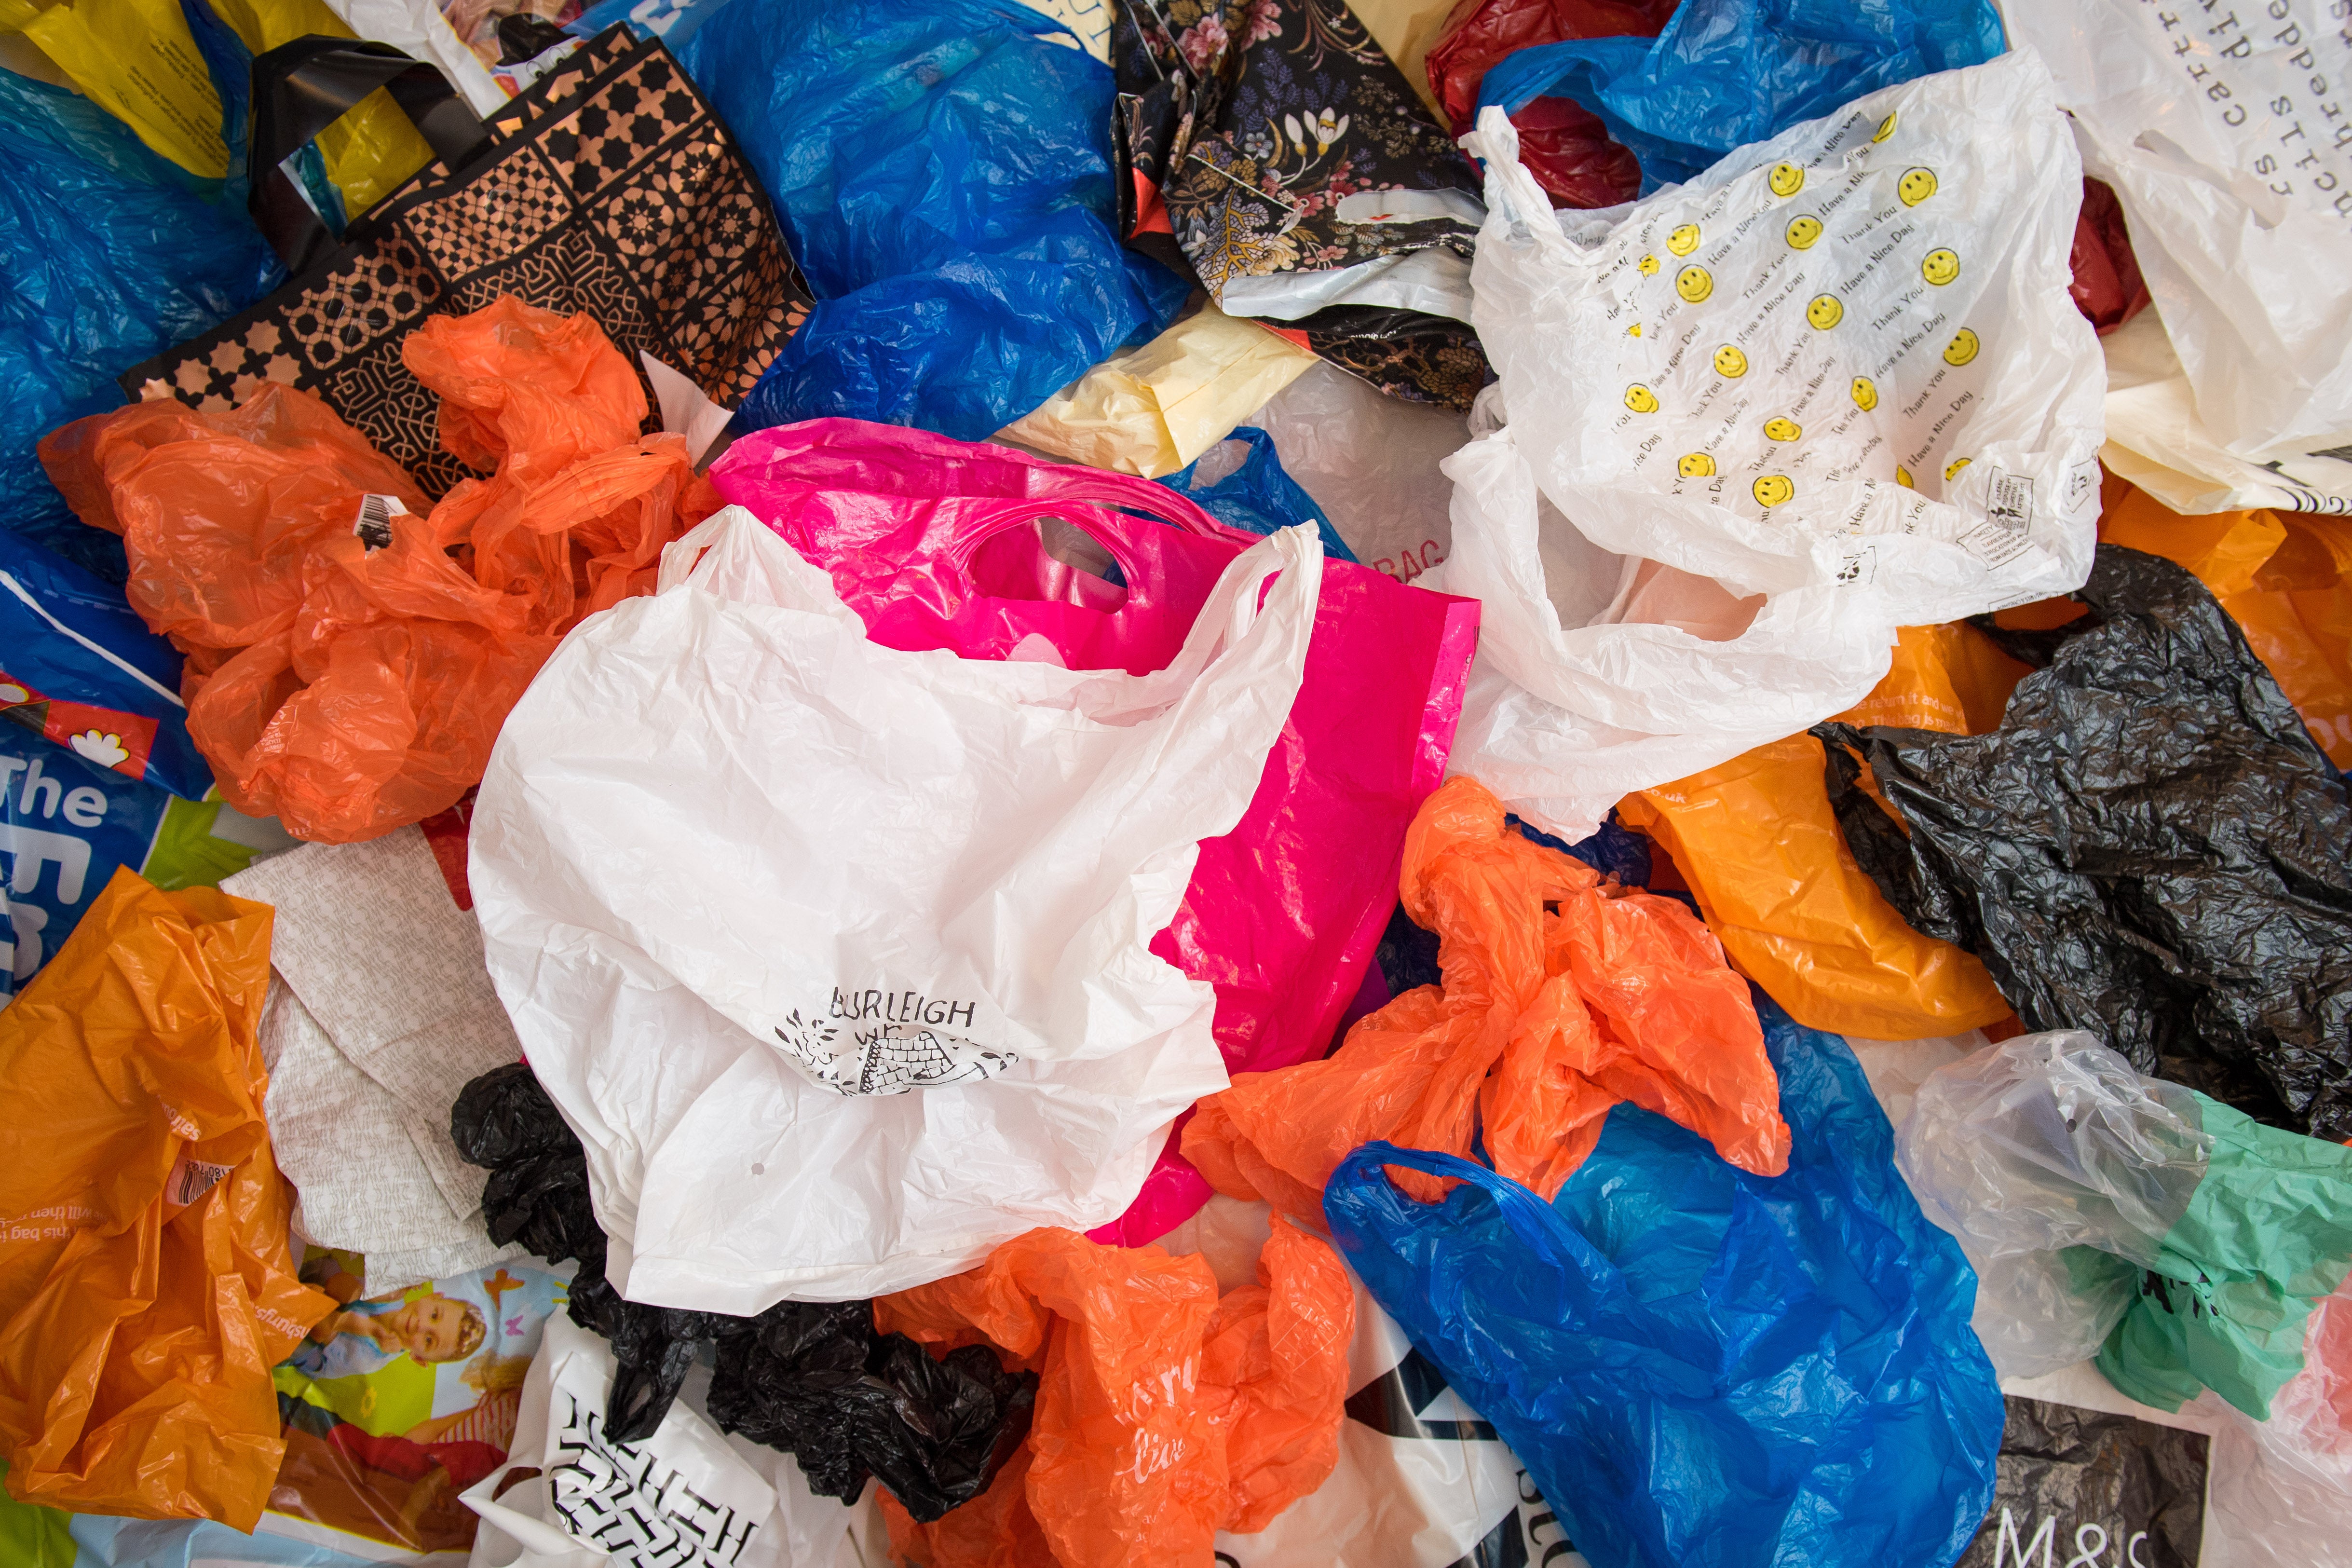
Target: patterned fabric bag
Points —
{"points": [[1269, 148], [609, 187]]}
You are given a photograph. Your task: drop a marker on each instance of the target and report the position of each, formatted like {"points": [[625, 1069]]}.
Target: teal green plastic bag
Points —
{"points": [[2196, 1237]]}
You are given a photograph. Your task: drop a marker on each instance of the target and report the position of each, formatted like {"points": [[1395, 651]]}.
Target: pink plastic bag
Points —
{"points": [[938, 543]]}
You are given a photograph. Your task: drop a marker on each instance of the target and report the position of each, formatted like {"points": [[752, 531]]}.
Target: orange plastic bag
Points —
{"points": [[1163, 1414], [145, 1284], [349, 675], [1754, 839], [2280, 575], [1563, 995]]}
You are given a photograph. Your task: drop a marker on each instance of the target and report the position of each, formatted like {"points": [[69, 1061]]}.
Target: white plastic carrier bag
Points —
{"points": [[835, 956], [2226, 131], [1752, 424]]}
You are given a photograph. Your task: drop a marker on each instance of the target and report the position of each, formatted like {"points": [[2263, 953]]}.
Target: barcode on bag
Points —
{"points": [[190, 1180], [374, 525]]}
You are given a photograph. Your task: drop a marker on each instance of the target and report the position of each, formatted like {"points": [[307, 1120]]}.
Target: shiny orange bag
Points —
{"points": [[1164, 1415], [350, 659], [1754, 839], [1562, 995], [2280, 575], [146, 1287]]}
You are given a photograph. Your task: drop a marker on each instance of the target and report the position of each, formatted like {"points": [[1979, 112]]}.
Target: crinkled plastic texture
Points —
{"points": [[1563, 144], [108, 254], [2150, 848], [2238, 226], [145, 1285], [1371, 464], [942, 170], [2107, 288], [1545, 1020], [1816, 435], [83, 669], [2209, 1236], [1282, 913], [1756, 842], [2280, 575], [1726, 73], [1254, 494], [1696, 1365], [1165, 1415], [1155, 409], [34, 1537], [350, 686]]}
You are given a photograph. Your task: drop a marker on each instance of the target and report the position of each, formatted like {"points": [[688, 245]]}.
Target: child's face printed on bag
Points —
{"points": [[437, 1328]]}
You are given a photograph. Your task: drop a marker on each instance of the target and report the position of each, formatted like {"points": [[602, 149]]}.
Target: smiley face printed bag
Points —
{"points": [[1752, 424]]}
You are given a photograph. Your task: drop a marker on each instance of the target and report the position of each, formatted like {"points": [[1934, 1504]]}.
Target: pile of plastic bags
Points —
{"points": [[1135, 784]]}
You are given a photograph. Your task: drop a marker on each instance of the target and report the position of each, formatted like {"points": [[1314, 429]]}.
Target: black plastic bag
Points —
{"points": [[814, 1381], [2150, 848], [2087, 1487]]}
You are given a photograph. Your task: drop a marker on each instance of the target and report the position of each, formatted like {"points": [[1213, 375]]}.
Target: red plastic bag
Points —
{"points": [[1563, 144], [1563, 995], [938, 543], [350, 660], [145, 1284], [2106, 285], [1163, 1414]]}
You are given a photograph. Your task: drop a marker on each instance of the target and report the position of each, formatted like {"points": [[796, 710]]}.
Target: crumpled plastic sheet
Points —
{"points": [[349, 658], [2195, 1239], [1724, 73], [2108, 286], [1545, 1020], [1166, 1414], [112, 254], [2150, 848], [1241, 483], [1563, 144], [1696, 1365], [814, 1381], [942, 170]]}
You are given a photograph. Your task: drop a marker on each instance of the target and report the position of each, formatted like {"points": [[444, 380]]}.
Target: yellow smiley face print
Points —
{"points": [[1694, 283], [1903, 477], [1647, 266], [1634, 331], [1772, 490], [1787, 179], [1803, 229], [1731, 362], [1782, 429], [1954, 466], [1865, 393], [1916, 186], [1641, 399], [1963, 348], [1886, 128], [1694, 464], [1825, 312], [1940, 267], [1684, 240]]}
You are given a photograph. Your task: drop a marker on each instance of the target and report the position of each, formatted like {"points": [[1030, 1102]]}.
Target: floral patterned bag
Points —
{"points": [[609, 187], [1270, 149]]}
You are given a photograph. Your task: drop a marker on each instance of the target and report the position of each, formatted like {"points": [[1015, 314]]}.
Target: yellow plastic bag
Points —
{"points": [[1755, 841], [1152, 410], [2281, 576], [146, 1287], [137, 60]]}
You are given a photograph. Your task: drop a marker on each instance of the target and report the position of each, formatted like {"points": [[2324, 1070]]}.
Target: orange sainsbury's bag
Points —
{"points": [[350, 660], [145, 1284], [2280, 575], [1164, 1415], [1755, 841], [1563, 995]]}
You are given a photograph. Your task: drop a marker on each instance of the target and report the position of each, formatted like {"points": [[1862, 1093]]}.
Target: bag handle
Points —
{"points": [[301, 87]]}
